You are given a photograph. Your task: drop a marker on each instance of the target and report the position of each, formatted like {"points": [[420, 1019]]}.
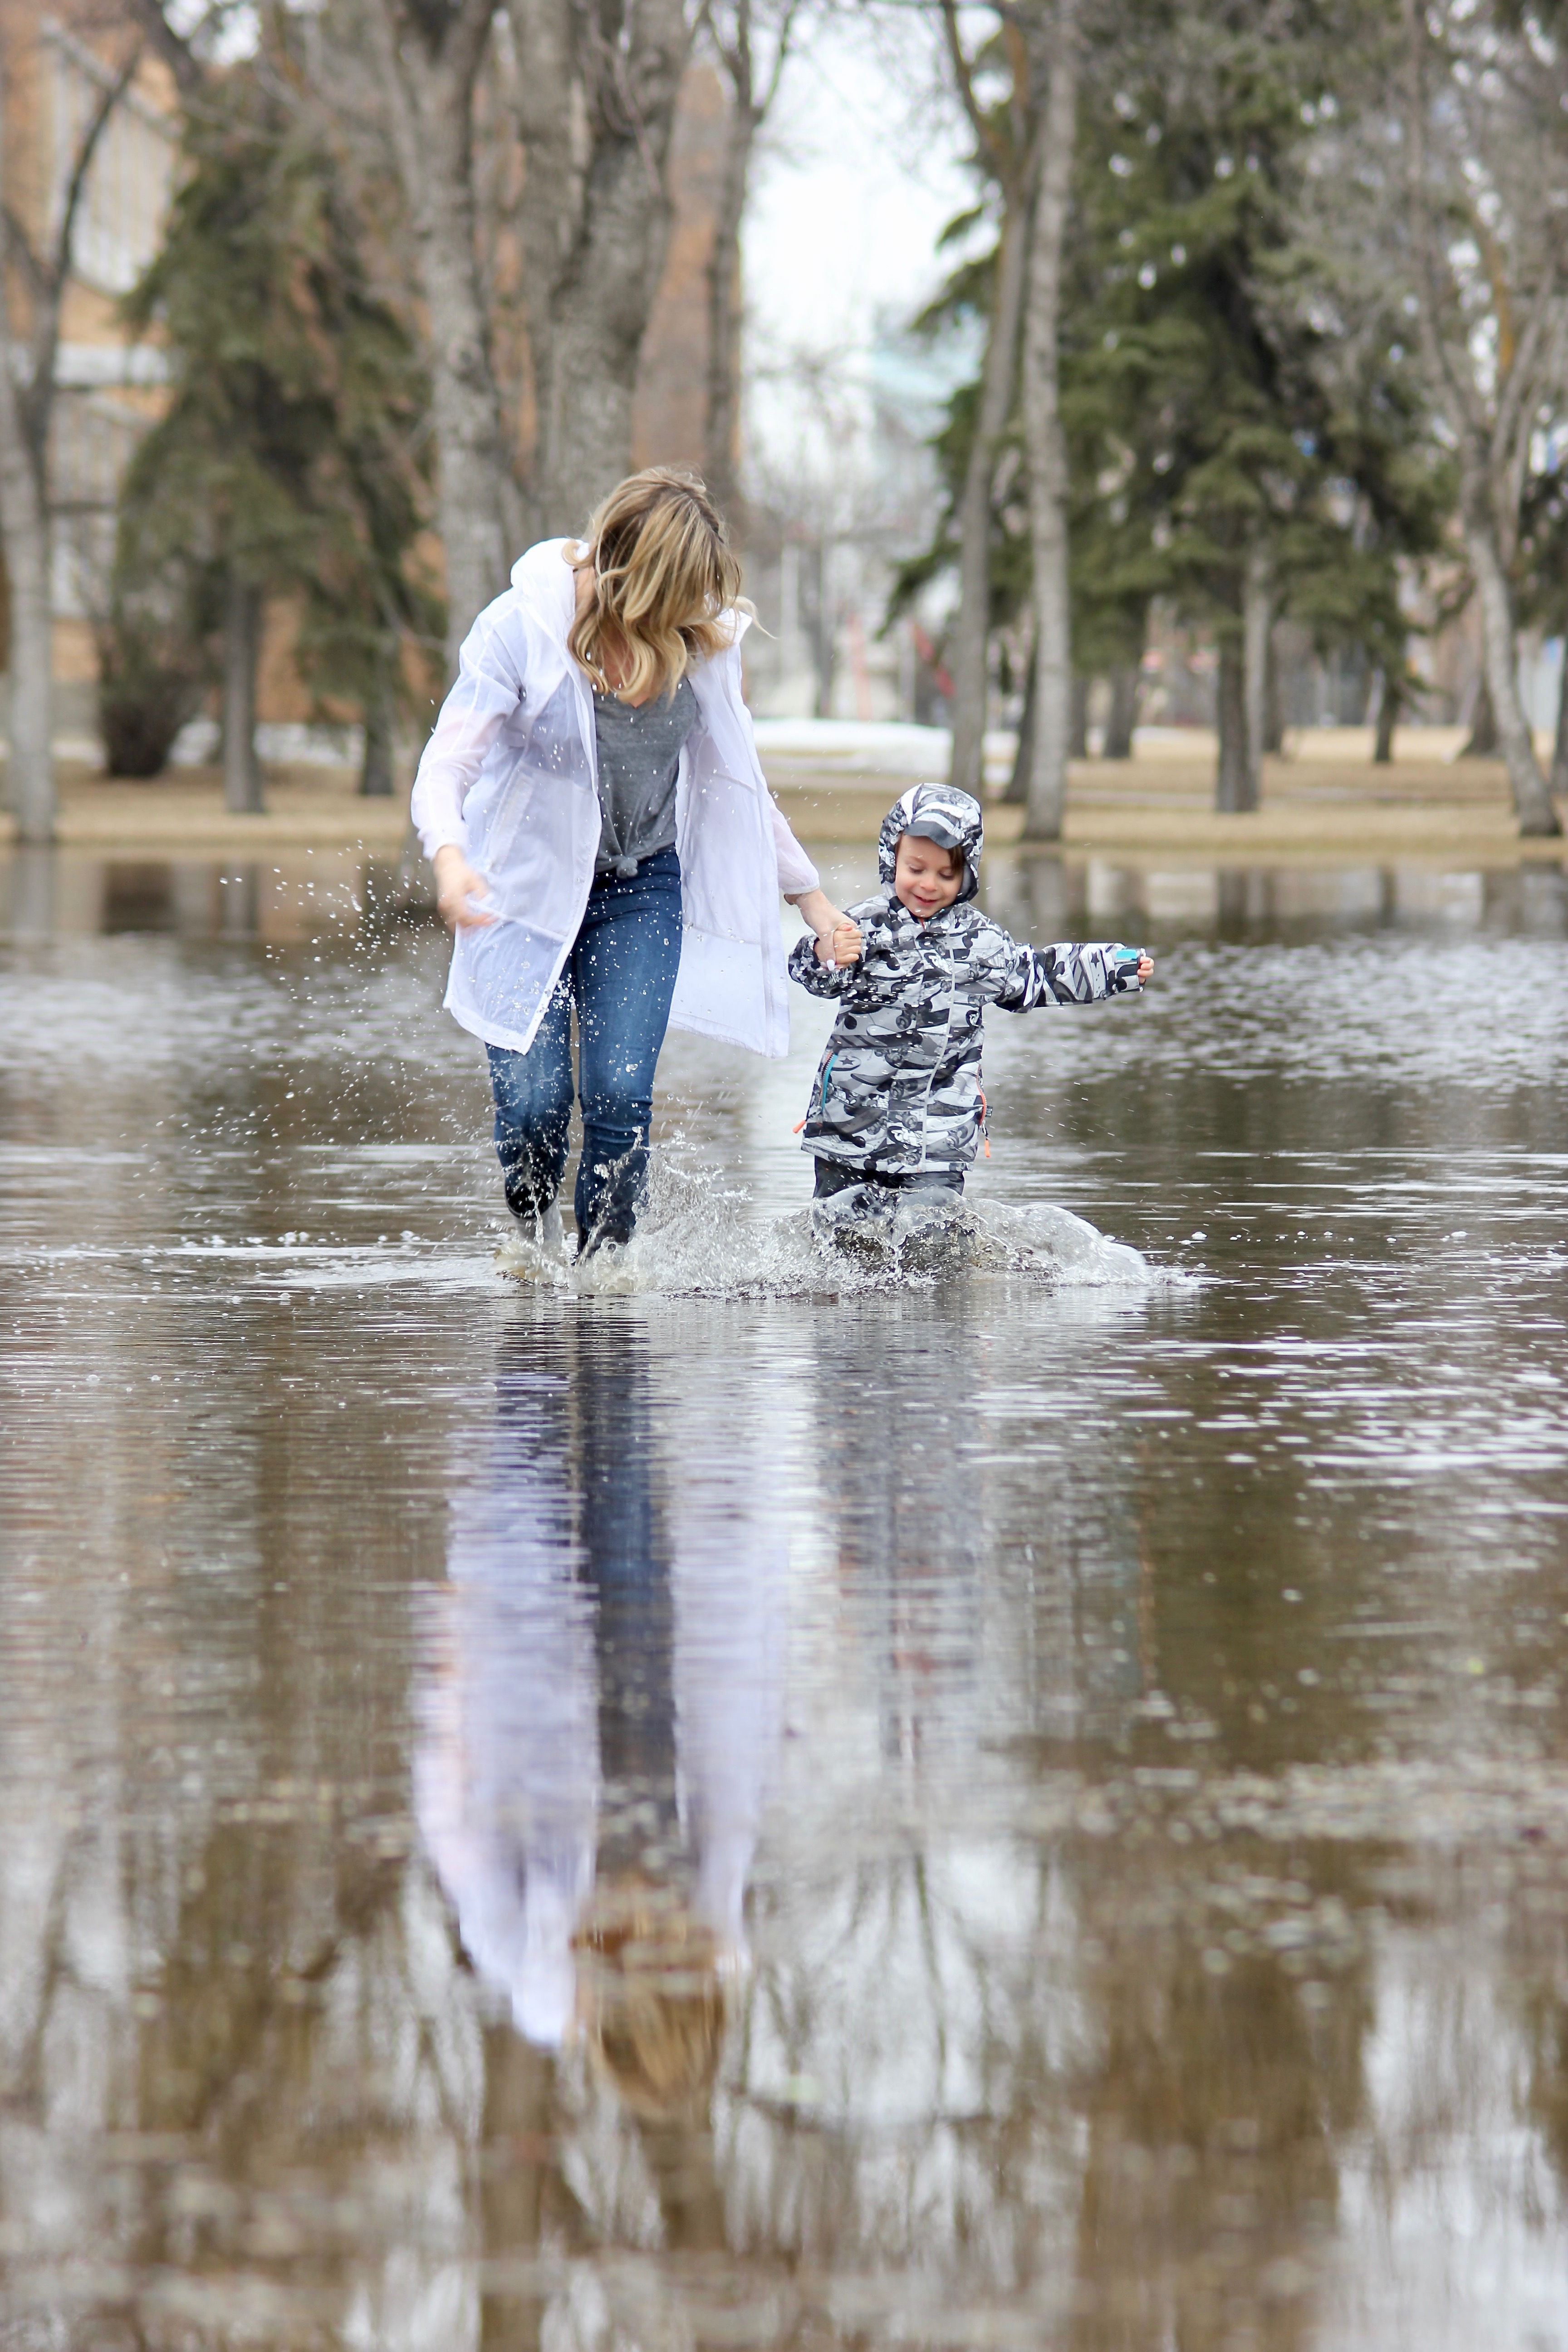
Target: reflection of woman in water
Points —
{"points": [[601, 1719]]}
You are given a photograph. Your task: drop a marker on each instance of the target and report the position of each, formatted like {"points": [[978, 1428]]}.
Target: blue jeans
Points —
{"points": [[620, 975]]}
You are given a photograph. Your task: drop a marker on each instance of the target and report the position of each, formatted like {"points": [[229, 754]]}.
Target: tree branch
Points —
{"points": [[465, 43], [786, 31], [173, 48], [1428, 293], [20, 245], [964, 75], [1516, 387], [52, 275]]}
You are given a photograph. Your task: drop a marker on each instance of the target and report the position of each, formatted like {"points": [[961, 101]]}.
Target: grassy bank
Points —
{"points": [[1323, 803]]}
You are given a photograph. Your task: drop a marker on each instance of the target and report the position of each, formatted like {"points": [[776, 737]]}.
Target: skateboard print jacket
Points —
{"points": [[898, 1086]]}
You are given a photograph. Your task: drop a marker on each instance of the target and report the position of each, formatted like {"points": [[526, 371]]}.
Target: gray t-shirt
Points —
{"points": [[639, 757]]}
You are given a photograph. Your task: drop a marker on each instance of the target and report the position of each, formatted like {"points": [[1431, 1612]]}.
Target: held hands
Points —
{"points": [[456, 887], [831, 925], [842, 945]]}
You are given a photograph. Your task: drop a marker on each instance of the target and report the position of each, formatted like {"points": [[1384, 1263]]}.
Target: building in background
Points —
{"points": [[107, 386]]}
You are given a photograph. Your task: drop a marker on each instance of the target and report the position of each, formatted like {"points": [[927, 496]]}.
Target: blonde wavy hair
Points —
{"points": [[653, 2000], [665, 578]]}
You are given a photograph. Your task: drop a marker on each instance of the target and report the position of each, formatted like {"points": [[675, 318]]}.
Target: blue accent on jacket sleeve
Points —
{"points": [[1067, 973]]}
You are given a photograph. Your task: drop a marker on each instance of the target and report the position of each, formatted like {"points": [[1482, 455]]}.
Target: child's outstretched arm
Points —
{"points": [[1068, 973]]}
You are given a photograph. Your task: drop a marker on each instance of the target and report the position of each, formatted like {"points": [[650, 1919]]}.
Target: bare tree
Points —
{"points": [[1007, 142], [1056, 37], [35, 264], [595, 88], [429, 53], [753, 86], [1492, 304]]}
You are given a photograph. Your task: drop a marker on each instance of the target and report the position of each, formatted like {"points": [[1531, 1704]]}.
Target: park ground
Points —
{"points": [[1324, 802]]}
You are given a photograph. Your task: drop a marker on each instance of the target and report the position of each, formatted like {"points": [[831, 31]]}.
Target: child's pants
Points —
{"points": [[620, 975], [935, 1183]]}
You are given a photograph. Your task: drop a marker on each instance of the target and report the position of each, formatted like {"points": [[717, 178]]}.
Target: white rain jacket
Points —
{"points": [[509, 775]]}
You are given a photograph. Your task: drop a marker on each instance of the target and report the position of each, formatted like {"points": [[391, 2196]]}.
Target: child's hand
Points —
{"points": [[1145, 967], [840, 945]]}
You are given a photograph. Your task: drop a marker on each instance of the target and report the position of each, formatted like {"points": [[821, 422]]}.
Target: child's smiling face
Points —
{"points": [[926, 877]]}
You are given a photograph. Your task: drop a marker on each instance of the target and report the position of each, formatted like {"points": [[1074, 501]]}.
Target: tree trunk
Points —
{"points": [[721, 411], [1491, 458], [429, 82], [1531, 801], [1481, 743], [1123, 714], [1387, 720], [376, 781], [1078, 737], [30, 765], [604, 292], [548, 103], [241, 657], [26, 410], [1045, 441], [1273, 700], [1257, 620], [24, 521], [967, 649], [1018, 793], [1560, 741], [1235, 785]]}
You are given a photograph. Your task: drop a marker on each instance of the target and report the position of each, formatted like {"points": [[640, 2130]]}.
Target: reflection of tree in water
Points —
{"points": [[987, 2063], [1212, 2095], [204, 1976]]}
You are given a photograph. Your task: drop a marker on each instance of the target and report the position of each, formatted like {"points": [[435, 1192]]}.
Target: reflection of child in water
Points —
{"points": [[898, 1104]]}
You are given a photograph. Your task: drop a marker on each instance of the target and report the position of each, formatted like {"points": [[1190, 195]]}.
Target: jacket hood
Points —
{"points": [[942, 814]]}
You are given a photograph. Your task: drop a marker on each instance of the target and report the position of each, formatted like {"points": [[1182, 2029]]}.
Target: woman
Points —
{"points": [[603, 838]]}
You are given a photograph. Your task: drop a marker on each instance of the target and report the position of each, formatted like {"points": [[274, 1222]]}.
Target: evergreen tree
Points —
{"points": [[290, 461], [1248, 437]]}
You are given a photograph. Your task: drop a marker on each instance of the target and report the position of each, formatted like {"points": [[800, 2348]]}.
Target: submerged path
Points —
{"points": [[1025, 1811]]}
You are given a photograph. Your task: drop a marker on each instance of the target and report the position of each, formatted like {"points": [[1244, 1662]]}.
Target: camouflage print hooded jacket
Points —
{"points": [[899, 1086]]}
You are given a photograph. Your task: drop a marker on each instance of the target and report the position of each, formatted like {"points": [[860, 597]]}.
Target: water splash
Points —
{"points": [[700, 1235]]}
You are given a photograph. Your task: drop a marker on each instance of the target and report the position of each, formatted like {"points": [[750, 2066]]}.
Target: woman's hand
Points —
{"points": [[843, 947], [456, 887], [818, 909]]}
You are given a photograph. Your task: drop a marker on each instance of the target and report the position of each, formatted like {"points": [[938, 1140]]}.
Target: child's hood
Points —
{"points": [[938, 812]]}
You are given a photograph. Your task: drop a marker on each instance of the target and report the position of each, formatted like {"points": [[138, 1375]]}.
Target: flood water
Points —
{"points": [[770, 1803]]}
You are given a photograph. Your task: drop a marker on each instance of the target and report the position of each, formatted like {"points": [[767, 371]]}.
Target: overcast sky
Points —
{"points": [[859, 176], [856, 182]]}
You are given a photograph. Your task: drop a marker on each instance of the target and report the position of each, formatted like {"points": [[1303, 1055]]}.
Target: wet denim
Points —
{"points": [[620, 978]]}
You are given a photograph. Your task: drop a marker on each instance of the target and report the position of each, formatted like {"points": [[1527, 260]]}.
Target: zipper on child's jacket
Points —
{"points": [[923, 1160]]}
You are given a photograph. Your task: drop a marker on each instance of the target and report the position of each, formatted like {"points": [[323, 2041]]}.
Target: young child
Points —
{"points": [[897, 1105]]}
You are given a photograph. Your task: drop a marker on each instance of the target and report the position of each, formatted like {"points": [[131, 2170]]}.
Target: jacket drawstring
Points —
{"points": [[822, 1098]]}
